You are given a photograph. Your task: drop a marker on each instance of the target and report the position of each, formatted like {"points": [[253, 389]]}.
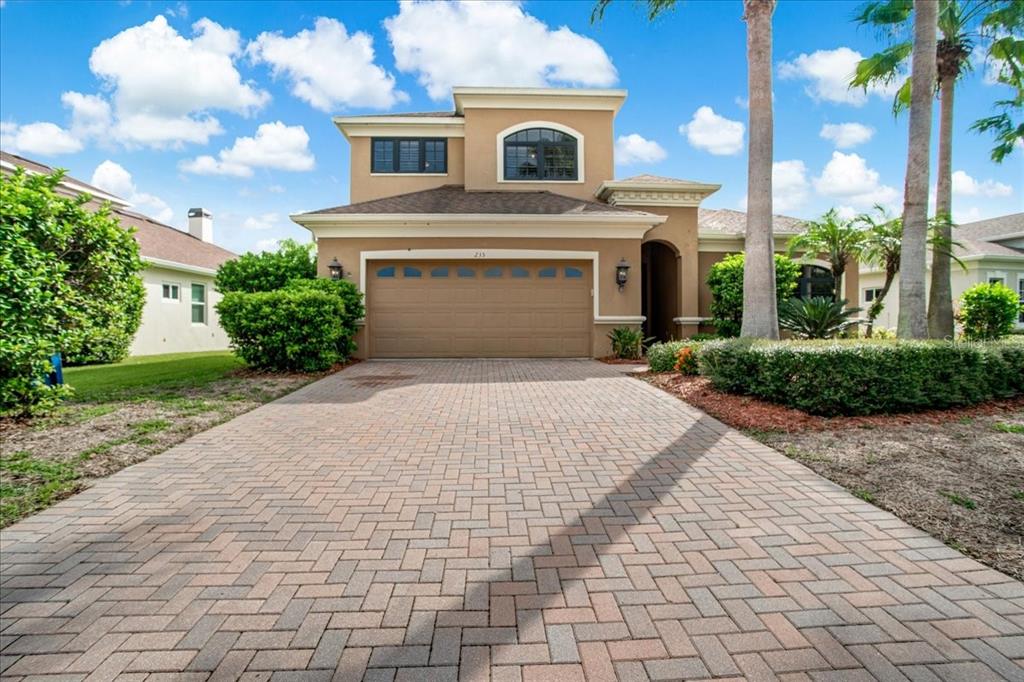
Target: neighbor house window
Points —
{"points": [[872, 294], [1020, 295], [198, 304], [997, 279], [409, 155], [171, 292], [814, 281], [541, 154]]}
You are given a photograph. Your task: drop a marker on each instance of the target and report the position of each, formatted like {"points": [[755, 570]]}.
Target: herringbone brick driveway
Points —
{"points": [[534, 520]]}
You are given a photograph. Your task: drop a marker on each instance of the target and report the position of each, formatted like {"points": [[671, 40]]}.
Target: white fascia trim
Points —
{"points": [[401, 126], [690, 320], [74, 186], [180, 267], [306, 219], [491, 254], [580, 152], [538, 98]]}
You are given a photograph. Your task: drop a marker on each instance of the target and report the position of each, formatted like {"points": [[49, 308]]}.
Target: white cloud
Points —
{"points": [[275, 145], [741, 102], [829, 73], [327, 67], [847, 176], [634, 148], [846, 135], [265, 221], [490, 43], [115, 179], [713, 133], [966, 186], [276, 189], [846, 212], [789, 185], [38, 138], [90, 114], [163, 84], [268, 245]]}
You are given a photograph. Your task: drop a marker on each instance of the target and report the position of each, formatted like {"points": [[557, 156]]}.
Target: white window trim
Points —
{"points": [[995, 274], [500, 147], [205, 304], [499, 254], [864, 290], [170, 284]]}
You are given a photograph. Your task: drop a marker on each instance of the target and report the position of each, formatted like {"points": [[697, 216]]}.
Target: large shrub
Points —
{"points": [[866, 377], [988, 311], [352, 299], [662, 356], [725, 280], [68, 283], [269, 270], [285, 330]]}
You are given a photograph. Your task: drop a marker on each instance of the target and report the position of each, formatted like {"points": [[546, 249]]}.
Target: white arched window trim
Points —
{"points": [[580, 155]]}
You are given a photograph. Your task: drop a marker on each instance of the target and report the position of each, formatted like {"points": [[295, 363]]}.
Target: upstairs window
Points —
{"points": [[409, 155], [541, 154]]}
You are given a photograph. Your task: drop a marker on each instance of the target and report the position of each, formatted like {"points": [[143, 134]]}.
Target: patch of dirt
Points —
{"points": [[957, 474], [100, 438]]}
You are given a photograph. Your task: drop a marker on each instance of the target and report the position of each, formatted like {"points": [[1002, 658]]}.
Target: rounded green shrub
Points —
{"points": [[352, 299], [268, 270], [854, 377], [988, 311], [284, 330], [725, 280]]}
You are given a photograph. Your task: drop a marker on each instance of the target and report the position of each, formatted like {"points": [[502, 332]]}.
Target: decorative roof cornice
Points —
{"points": [[660, 193]]}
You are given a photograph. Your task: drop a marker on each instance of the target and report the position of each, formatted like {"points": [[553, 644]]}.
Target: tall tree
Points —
{"points": [[760, 309], [913, 322], [996, 24], [841, 241]]}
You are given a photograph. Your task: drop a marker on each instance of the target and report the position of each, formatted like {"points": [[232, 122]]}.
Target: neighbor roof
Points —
{"points": [[455, 199], [73, 186], [1004, 226], [156, 240], [728, 221]]}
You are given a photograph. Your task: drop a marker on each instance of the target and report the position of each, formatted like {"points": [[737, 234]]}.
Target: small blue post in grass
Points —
{"points": [[56, 377]]}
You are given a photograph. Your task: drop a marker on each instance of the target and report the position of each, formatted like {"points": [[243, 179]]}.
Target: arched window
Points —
{"points": [[541, 154], [815, 281]]}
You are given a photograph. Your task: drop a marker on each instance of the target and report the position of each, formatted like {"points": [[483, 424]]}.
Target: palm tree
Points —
{"points": [[840, 240], [962, 23], [883, 237], [760, 309], [913, 323]]}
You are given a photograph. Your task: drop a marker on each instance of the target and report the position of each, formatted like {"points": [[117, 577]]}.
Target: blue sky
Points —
{"points": [[227, 105]]}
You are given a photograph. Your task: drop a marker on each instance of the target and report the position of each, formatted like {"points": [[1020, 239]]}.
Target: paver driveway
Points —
{"points": [[522, 519]]}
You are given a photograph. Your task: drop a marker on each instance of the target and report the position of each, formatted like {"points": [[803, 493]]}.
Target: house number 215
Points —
{"points": [[479, 254]]}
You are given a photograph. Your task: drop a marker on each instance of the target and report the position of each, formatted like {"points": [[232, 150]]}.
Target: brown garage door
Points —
{"points": [[479, 308]]}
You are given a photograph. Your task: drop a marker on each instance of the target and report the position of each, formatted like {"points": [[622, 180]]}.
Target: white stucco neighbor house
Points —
{"points": [[179, 314], [991, 250]]}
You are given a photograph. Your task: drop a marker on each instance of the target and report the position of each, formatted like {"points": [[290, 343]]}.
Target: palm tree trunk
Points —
{"points": [[940, 297], [760, 308], [913, 323]]}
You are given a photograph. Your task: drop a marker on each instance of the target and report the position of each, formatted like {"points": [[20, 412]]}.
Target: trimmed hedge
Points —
{"points": [[288, 329], [350, 296], [662, 356], [866, 377]]}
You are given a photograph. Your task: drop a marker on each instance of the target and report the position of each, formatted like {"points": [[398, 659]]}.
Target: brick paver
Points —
{"points": [[459, 520]]}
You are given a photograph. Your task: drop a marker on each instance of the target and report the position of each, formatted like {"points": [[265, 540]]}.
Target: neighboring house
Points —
{"points": [[179, 314], [991, 251], [497, 230]]}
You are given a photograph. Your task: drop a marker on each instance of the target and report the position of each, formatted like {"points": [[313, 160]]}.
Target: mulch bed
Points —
{"points": [[612, 360], [957, 474]]}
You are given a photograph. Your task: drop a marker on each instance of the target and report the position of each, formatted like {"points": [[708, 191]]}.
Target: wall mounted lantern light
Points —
{"points": [[335, 267], [622, 274]]}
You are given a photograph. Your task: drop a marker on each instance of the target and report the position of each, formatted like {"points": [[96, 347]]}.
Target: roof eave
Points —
{"points": [[306, 219]]}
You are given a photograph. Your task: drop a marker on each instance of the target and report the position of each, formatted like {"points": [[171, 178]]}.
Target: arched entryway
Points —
{"points": [[660, 294]]}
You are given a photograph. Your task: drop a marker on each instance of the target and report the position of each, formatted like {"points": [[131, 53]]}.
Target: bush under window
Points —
{"points": [[988, 311]]}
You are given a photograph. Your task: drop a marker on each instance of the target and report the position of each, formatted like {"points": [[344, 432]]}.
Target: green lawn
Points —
{"points": [[149, 374]]}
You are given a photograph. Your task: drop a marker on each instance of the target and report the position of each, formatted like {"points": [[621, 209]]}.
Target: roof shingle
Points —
{"points": [[728, 221], [455, 199]]}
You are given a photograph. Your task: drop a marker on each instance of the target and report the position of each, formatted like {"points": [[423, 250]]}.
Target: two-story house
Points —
{"points": [[497, 230]]}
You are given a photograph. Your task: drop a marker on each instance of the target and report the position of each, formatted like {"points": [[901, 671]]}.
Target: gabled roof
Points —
{"points": [[728, 221], [455, 200], [157, 241]]}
